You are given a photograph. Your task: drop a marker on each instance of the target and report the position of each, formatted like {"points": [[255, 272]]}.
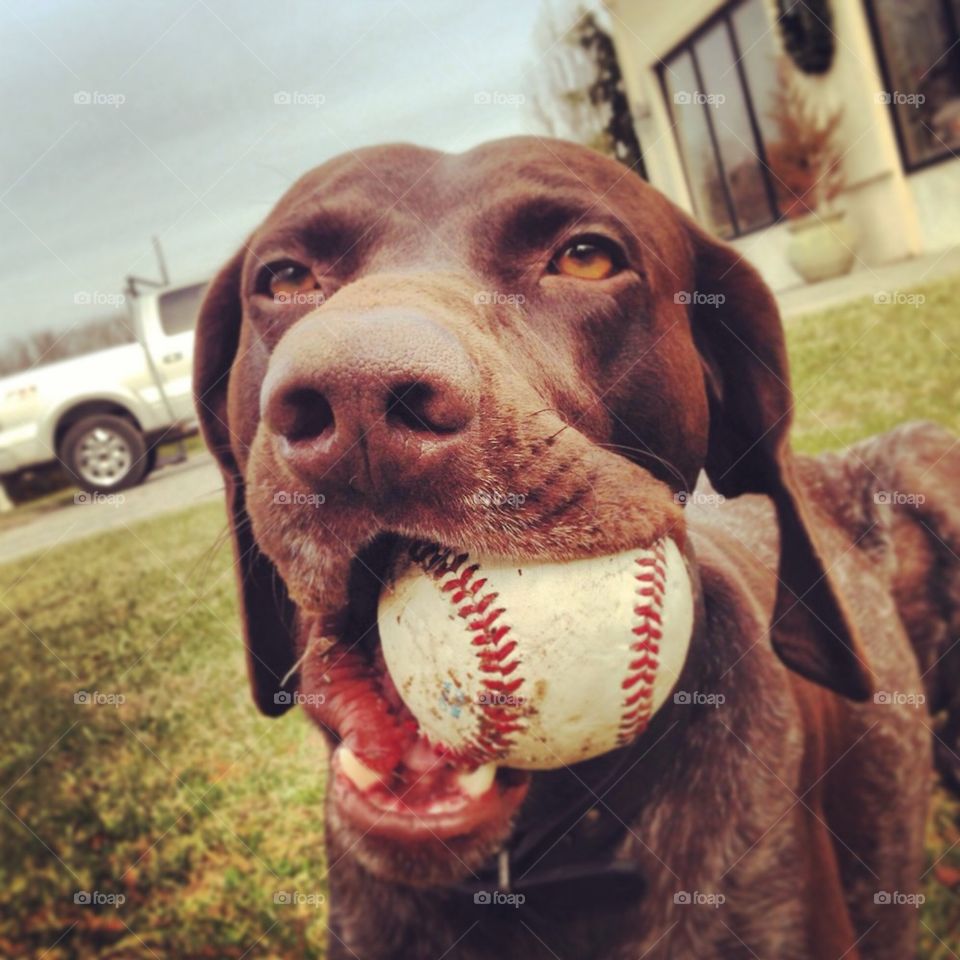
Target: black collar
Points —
{"points": [[554, 851]]}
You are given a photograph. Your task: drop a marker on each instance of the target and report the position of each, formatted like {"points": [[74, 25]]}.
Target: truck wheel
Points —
{"points": [[103, 454]]}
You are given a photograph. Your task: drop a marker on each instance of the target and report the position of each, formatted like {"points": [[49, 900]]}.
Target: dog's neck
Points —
{"points": [[590, 805]]}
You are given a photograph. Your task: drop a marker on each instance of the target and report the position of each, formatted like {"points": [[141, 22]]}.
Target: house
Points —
{"points": [[700, 73]]}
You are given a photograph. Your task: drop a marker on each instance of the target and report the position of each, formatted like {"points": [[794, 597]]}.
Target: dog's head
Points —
{"points": [[523, 351]]}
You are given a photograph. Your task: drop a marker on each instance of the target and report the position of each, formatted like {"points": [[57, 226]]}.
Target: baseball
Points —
{"points": [[535, 665]]}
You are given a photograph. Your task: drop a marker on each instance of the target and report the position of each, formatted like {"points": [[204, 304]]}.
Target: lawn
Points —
{"points": [[205, 816], [162, 798], [862, 368]]}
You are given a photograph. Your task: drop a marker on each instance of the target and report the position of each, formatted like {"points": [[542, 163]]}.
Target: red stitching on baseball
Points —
{"points": [[500, 720], [651, 578]]}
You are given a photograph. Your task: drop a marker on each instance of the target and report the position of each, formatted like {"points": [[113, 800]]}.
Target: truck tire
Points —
{"points": [[104, 454]]}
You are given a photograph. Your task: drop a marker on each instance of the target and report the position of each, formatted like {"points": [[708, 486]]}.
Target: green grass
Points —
{"points": [[170, 799], [196, 809], [863, 368]]}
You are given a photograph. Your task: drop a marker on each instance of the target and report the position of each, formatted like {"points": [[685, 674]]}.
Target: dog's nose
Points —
{"points": [[369, 399]]}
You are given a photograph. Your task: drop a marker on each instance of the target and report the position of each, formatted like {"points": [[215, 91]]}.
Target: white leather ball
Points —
{"points": [[535, 665]]}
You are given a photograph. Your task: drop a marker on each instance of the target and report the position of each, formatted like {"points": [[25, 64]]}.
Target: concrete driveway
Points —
{"points": [[168, 489]]}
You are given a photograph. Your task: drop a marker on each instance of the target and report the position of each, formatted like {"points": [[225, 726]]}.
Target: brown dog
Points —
{"points": [[410, 338]]}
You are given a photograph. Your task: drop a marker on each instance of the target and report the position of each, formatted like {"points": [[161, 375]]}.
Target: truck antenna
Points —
{"points": [[134, 282], [161, 260]]}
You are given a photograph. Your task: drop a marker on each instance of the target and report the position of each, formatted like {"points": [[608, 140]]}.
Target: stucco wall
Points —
{"points": [[893, 216], [936, 193]]}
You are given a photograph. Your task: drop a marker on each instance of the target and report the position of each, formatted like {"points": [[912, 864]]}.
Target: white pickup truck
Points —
{"points": [[103, 414]]}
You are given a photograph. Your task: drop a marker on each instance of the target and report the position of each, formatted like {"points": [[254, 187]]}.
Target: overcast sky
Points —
{"points": [[181, 134]]}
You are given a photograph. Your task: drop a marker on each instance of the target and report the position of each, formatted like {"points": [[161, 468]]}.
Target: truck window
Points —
{"points": [[179, 308]]}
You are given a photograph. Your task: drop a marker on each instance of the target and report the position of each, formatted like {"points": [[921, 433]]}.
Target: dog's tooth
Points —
{"points": [[477, 782], [356, 771]]}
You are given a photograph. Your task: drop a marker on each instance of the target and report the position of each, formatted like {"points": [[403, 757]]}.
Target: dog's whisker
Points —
{"points": [[649, 454]]}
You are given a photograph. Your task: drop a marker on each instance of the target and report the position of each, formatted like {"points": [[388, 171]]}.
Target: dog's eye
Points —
{"points": [[286, 278], [588, 259]]}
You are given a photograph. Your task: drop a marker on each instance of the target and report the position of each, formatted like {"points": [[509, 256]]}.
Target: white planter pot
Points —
{"points": [[821, 246]]}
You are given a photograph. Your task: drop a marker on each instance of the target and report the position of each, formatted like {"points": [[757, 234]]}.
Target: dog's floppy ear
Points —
{"points": [[266, 612], [740, 339]]}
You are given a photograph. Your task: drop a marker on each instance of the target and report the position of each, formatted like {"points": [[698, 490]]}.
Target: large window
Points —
{"points": [[918, 45], [717, 83], [179, 309]]}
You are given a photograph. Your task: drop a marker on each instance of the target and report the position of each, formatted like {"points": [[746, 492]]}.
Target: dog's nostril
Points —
{"points": [[305, 415], [420, 407], [407, 406]]}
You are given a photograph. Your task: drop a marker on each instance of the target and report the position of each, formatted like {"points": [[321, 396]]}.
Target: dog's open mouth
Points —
{"points": [[388, 778], [425, 796]]}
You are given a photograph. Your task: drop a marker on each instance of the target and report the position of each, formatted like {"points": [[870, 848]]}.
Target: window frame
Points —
{"points": [[876, 37], [725, 16]]}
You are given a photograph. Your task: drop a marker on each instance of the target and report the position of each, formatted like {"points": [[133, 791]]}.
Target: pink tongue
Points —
{"points": [[355, 708], [359, 703], [422, 757]]}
